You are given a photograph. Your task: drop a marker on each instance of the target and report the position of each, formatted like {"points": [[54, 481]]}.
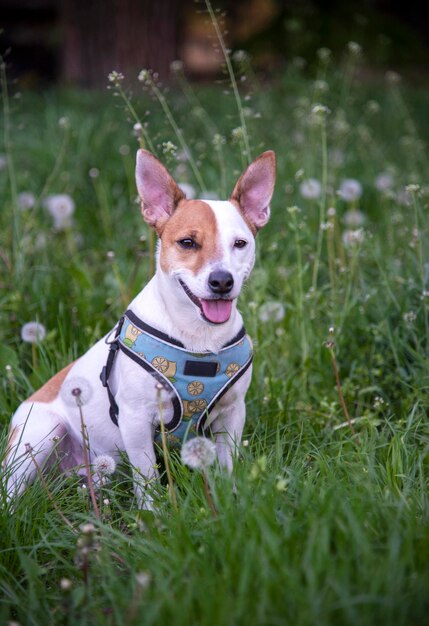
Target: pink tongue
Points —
{"points": [[217, 311]]}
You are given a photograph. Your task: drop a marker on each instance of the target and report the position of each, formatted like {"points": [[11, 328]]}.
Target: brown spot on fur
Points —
{"points": [[13, 435], [50, 390], [193, 219]]}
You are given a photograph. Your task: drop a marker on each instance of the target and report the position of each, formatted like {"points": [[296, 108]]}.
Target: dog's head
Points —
{"points": [[207, 247]]}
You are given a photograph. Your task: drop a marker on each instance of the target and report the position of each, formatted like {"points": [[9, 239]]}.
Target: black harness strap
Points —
{"points": [[105, 372]]}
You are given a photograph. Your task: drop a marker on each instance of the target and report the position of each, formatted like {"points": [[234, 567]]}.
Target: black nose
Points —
{"points": [[221, 282]]}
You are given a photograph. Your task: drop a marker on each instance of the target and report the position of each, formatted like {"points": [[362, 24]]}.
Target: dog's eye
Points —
{"points": [[240, 243], [187, 244]]}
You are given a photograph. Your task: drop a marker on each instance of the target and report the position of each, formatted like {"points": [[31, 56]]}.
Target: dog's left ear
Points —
{"points": [[158, 191], [254, 189]]}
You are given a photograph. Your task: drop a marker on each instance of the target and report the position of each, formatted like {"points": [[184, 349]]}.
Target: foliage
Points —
{"points": [[322, 529]]}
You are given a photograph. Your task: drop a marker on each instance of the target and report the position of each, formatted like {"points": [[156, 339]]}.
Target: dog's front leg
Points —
{"points": [[228, 429], [137, 433]]}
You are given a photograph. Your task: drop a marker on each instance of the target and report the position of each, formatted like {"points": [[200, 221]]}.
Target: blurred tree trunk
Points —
{"points": [[123, 35]]}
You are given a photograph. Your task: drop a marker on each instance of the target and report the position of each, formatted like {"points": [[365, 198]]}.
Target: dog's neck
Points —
{"points": [[167, 309]]}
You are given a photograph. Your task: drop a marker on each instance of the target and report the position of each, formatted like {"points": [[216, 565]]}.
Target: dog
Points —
{"points": [[181, 339]]}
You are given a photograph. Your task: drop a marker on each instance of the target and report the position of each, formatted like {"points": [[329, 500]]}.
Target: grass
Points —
{"points": [[322, 530]]}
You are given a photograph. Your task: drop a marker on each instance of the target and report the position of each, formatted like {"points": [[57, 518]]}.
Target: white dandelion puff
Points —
{"points": [[350, 190], [26, 200], [3, 162], [198, 453], [104, 465], [353, 238], [383, 182], [310, 189], [188, 190], [76, 390], [33, 332], [61, 208], [271, 311], [353, 218]]}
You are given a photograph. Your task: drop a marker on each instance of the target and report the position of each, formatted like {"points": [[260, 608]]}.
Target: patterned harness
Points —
{"points": [[197, 380]]}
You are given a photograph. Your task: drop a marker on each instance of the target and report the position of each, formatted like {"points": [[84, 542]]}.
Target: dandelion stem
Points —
{"points": [[144, 138], [179, 134], [85, 442], [165, 452], [209, 495], [340, 393], [322, 204]]}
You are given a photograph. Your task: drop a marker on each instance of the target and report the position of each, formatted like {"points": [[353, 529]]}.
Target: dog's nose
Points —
{"points": [[221, 282]]}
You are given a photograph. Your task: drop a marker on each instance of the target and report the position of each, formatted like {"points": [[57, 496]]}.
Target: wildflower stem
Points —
{"points": [[209, 495], [179, 134], [301, 316], [232, 79], [87, 465], [144, 139], [322, 203], [420, 258], [165, 453], [340, 393]]}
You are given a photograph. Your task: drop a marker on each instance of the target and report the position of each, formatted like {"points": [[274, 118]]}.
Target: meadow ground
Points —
{"points": [[327, 526]]}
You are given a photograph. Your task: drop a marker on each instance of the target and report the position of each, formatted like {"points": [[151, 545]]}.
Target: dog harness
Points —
{"points": [[197, 380]]}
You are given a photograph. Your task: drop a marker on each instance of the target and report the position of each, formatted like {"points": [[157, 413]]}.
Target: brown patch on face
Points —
{"points": [[50, 390], [193, 219], [250, 224]]}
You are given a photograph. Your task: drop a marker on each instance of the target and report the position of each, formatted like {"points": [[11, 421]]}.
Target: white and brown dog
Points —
{"points": [[206, 251]]}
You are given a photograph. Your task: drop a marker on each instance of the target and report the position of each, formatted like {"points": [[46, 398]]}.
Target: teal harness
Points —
{"points": [[197, 380]]}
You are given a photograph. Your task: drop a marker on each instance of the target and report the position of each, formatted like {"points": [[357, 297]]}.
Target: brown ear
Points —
{"points": [[254, 189], [158, 191]]}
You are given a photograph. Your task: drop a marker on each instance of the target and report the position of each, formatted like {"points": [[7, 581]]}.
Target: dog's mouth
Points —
{"points": [[213, 310]]}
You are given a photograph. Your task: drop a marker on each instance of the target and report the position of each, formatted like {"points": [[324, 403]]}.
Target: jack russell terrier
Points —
{"points": [[179, 353]]}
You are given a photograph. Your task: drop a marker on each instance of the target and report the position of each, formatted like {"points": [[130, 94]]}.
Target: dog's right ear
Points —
{"points": [[158, 191]]}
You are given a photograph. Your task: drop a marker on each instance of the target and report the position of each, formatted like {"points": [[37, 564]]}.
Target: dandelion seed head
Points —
{"points": [[198, 453], [26, 200], [350, 189], [383, 182], [87, 529], [353, 238], [33, 332], [353, 218], [65, 584], [143, 579], [392, 78], [188, 190], [104, 465], [76, 390], [64, 123], [3, 162], [271, 311], [324, 54], [94, 172], [176, 66], [61, 207], [310, 189], [354, 48], [410, 317]]}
